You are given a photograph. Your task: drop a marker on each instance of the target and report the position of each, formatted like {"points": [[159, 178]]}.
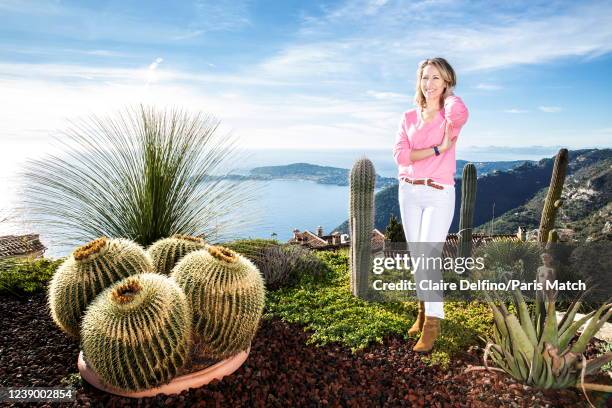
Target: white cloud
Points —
{"points": [[261, 119], [75, 73], [151, 74], [188, 35], [387, 95], [488, 87], [334, 84], [310, 61], [550, 109], [350, 40], [127, 24], [155, 63]]}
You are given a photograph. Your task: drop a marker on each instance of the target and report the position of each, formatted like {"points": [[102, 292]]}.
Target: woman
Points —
{"points": [[425, 154]]}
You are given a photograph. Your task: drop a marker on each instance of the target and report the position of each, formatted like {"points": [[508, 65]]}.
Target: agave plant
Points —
{"points": [[143, 174], [536, 349], [520, 259]]}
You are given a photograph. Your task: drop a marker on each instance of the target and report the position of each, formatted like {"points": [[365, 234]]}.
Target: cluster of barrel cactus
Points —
{"points": [[140, 314]]}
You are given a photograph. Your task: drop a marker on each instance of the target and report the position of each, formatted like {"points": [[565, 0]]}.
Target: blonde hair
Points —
{"points": [[446, 72]]}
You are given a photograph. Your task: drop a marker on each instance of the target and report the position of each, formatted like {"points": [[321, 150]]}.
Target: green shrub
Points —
{"points": [[280, 265], [250, 247], [325, 306], [603, 349], [395, 231], [19, 277], [591, 260]]}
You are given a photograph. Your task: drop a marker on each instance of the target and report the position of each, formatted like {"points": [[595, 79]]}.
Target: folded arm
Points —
{"points": [[404, 154], [455, 113]]}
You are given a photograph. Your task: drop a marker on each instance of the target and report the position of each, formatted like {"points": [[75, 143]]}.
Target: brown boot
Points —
{"points": [[431, 331], [418, 324]]}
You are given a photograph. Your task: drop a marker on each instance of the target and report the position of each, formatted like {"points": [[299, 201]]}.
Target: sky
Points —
{"points": [[308, 74]]}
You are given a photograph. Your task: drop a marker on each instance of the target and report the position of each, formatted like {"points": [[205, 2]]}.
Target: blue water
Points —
{"points": [[289, 204], [279, 205]]}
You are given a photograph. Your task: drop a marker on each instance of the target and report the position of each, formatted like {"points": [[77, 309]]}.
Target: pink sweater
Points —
{"points": [[414, 134]]}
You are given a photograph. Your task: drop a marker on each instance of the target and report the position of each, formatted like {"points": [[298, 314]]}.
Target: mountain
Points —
{"points": [[319, 174], [339, 176], [483, 168], [587, 199], [517, 195], [303, 171]]}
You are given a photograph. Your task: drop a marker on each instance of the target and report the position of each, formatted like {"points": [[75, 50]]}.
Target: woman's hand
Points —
{"points": [[447, 143]]}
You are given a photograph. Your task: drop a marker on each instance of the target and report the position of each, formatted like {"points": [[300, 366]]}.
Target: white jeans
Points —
{"points": [[427, 214]]}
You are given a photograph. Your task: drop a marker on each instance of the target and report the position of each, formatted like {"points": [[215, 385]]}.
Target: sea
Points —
{"points": [[280, 206]]}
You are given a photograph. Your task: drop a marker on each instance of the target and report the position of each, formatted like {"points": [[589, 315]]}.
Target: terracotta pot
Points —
{"points": [[178, 384]]}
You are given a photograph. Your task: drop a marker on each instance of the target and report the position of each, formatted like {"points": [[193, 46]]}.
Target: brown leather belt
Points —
{"points": [[428, 182]]}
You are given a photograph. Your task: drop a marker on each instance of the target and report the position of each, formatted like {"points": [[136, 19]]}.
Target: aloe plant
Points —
{"points": [[535, 348]]}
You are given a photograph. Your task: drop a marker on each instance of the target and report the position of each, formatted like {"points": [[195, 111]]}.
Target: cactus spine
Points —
{"points": [[88, 271], [468, 202], [361, 223], [166, 252], [136, 335], [226, 293], [553, 197]]}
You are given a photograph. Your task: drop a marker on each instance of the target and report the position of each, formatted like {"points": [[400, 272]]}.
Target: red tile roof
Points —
{"points": [[20, 245]]}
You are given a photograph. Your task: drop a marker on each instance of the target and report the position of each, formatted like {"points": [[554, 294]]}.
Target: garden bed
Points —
{"points": [[282, 370]]}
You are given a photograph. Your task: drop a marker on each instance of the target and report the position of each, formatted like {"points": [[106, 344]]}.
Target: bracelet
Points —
{"points": [[436, 151]]}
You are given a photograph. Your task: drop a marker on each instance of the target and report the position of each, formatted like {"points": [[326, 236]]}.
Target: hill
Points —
{"points": [[339, 176], [587, 198], [516, 195], [487, 167], [319, 174]]}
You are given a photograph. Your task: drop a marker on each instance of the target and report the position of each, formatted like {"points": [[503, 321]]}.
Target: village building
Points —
{"points": [[380, 246], [321, 242], [21, 246]]}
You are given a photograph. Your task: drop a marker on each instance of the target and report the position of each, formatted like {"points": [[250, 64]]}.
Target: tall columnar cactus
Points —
{"points": [[468, 202], [137, 334], [553, 198], [166, 252], [361, 224], [226, 293], [88, 271]]}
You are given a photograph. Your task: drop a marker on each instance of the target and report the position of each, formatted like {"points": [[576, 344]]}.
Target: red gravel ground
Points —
{"points": [[280, 371]]}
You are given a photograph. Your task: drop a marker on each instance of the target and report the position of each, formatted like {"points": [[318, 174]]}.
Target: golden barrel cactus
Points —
{"points": [[89, 270], [137, 334], [226, 293], [167, 252]]}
